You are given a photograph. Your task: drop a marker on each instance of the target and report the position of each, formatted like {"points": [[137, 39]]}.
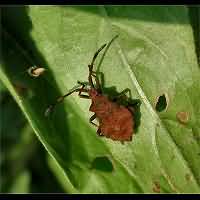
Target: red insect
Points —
{"points": [[116, 121]]}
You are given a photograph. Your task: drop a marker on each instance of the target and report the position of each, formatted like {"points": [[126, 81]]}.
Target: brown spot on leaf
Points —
{"points": [[188, 177], [182, 117], [20, 89], [156, 187], [36, 71], [173, 157], [197, 137]]}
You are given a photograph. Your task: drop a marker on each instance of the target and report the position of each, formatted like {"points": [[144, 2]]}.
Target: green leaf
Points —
{"points": [[21, 184], [194, 12], [22, 155], [60, 175], [154, 55]]}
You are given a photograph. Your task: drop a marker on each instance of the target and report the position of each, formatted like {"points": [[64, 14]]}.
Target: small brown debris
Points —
{"points": [[188, 177], [36, 71], [20, 89], [182, 117], [173, 157], [156, 187]]}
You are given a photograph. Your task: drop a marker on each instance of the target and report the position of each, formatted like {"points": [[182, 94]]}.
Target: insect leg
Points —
{"points": [[83, 90], [122, 94], [84, 96], [91, 121], [61, 98], [99, 132], [97, 81], [90, 80], [92, 118], [131, 109], [132, 106]]}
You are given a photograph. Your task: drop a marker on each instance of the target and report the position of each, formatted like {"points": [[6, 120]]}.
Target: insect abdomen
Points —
{"points": [[118, 125]]}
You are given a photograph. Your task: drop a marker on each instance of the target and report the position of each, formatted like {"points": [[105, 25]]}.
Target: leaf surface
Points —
{"points": [[153, 55]]}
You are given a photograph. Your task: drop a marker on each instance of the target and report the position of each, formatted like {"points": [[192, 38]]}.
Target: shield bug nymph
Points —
{"points": [[116, 121]]}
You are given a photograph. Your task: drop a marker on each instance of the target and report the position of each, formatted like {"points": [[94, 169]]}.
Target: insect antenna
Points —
{"points": [[92, 65], [95, 55], [91, 72]]}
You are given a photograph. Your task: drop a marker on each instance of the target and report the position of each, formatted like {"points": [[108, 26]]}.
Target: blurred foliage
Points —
{"points": [[194, 12], [23, 160]]}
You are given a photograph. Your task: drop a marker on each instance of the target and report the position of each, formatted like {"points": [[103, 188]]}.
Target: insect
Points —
{"points": [[116, 121]]}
